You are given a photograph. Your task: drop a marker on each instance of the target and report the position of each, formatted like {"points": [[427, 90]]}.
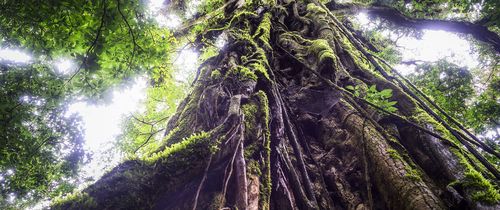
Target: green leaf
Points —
{"points": [[386, 93], [391, 109], [372, 88], [392, 103]]}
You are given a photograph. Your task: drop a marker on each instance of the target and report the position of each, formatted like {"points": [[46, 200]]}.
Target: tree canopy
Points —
{"points": [[113, 41]]}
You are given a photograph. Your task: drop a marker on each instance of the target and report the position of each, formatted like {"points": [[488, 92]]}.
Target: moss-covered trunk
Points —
{"points": [[270, 125]]}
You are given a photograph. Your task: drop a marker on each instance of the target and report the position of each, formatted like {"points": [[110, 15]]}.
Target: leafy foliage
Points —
{"points": [[453, 88], [39, 145], [112, 40], [379, 98], [145, 131], [448, 84]]}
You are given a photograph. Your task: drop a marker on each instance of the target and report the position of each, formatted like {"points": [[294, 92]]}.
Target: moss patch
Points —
{"points": [[322, 50], [76, 199], [479, 187], [483, 189], [263, 31], [185, 145]]}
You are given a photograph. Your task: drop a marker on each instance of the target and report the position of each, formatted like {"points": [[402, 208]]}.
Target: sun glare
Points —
{"points": [[362, 18], [185, 64], [436, 45], [102, 124], [155, 5], [64, 66], [170, 21], [14, 55]]}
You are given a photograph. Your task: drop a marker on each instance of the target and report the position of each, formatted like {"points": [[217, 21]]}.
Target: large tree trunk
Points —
{"points": [[270, 126]]}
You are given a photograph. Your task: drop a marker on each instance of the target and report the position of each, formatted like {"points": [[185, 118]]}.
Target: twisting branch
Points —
{"points": [[148, 139], [478, 31], [94, 43], [131, 32]]}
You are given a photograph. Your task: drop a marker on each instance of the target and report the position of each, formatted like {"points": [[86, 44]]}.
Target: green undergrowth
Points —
{"points": [[378, 98]]}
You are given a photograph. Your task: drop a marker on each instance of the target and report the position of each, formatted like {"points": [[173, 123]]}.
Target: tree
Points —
{"points": [[296, 113]]}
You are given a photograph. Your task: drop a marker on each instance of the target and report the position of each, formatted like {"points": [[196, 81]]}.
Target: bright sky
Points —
{"points": [[65, 66], [432, 46], [102, 124], [14, 55], [155, 11], [185, 64]]}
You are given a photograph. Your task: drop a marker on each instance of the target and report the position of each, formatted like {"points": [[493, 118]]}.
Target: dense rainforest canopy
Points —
{"points": [[290, 104]]}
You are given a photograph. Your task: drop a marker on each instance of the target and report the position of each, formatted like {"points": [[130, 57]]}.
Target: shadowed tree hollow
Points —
{"points": [[296, 113]]}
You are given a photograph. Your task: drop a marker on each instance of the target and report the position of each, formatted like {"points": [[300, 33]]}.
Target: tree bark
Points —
{"points": [[269, 125]]}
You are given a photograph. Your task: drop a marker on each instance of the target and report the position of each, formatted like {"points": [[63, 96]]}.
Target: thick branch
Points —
{"points": [[478, 31]]}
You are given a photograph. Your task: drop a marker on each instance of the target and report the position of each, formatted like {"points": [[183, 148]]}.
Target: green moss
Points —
{"points": [[422, 117], [394, 154], [215, 74], [236, 17], [253, 168], [413, 174], [246, 73], [250, 150], [208, 52], [360, 60], [260, 70], [217, 202], [250, 111], [243, 73], [483, 189], [312, 8], [265, 189], [263, 31], [76, 199], [480, 188], [215, 147], [322, 50], [182, 146]]}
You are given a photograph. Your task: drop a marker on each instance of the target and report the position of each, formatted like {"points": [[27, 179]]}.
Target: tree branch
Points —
{"points": [[479, 32]]}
